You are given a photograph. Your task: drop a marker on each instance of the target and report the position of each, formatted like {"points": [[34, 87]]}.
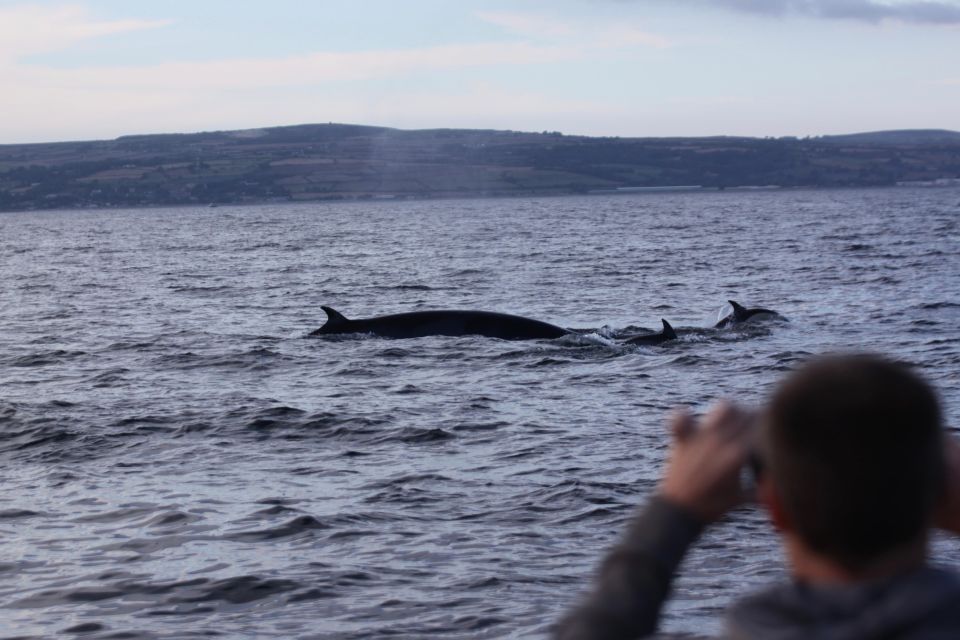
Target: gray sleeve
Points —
{"points": [[634, 578]]}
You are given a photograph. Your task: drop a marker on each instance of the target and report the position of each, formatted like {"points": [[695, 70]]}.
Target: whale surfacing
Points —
{"points": [[419, 324], [654, 338], [741, 314]]}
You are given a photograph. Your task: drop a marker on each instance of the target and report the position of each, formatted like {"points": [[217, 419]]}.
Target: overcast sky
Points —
{"points": [[105, 68]]}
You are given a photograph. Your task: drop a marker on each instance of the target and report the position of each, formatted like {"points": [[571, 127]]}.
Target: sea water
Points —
{"points": [[178, 459]]}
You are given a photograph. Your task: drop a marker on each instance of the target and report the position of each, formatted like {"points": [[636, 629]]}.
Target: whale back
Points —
{"points": [[418, 324]]}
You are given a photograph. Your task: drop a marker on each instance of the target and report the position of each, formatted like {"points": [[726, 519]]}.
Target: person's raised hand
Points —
{"points": [[703, 473]]}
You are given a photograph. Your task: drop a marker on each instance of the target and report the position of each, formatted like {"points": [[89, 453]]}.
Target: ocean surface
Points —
{"points": [[178, 459]]}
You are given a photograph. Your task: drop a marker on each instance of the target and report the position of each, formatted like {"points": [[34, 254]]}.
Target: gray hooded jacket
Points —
{"points": [[922, 604], [634, 581]]}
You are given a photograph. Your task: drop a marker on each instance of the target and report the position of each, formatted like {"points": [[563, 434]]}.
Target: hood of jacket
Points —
{"points": [[923, 604]]}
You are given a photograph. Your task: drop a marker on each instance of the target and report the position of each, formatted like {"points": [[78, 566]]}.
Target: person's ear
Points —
{"points": [[770, 499]]}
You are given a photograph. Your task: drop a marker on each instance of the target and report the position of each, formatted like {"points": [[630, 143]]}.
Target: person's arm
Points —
{"points": [[701, 483], [634, 579]]}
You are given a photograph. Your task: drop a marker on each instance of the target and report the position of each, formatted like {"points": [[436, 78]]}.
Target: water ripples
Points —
{"points": [[181, 460]]}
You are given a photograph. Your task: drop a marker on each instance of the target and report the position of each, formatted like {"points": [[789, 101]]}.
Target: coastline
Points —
{"points": [[336, 163]]}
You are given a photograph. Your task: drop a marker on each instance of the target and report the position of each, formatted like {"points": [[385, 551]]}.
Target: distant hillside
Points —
{"points": [[904, 136], [339, 161]]}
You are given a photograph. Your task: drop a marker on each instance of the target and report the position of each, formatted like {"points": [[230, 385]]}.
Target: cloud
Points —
{"points": [[874, 11], [528, 24], [306, 70], [592, 34], [108, 100], [28, 30]]}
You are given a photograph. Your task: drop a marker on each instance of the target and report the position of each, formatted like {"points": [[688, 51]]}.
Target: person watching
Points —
{"points": [[855, 471]]}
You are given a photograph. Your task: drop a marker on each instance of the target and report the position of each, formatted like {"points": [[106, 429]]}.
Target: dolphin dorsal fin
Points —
{"points": [[334, 317], [738, 309], [667, 329]]}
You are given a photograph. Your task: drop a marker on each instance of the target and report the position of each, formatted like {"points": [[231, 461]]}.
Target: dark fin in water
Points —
{"points": [[651, 339], [336, 323], [738, 309], [334, 318], [668, 331]]}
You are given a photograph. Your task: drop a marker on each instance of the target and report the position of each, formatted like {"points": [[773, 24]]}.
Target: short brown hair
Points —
{"points": [[854, 445]]}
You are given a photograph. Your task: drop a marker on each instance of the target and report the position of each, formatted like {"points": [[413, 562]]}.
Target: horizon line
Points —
{"points": [[480, 129]]}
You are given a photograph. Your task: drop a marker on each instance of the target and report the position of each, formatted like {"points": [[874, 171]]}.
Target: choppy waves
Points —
{"points": [[180, 460]]}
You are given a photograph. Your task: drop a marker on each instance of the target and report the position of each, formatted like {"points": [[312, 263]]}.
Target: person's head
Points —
{"points": [[852, 447]]}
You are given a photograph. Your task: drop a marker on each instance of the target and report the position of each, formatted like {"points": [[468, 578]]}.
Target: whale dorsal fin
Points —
{"points": [[334, 318], [667, 329], [738, 309]]}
